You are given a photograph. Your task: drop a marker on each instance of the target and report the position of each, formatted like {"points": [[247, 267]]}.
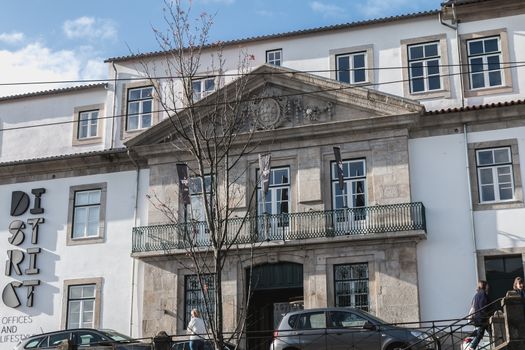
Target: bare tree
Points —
{"points": [[210, 133]]}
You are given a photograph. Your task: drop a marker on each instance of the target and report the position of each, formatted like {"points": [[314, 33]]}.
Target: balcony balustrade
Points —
{"points": [[365, 221]]}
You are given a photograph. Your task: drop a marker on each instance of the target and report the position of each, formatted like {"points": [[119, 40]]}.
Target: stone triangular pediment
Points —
{"points": [[278, 97]]}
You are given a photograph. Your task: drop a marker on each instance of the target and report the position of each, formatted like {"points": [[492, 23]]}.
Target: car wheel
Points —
{"points": [[398, 346]]}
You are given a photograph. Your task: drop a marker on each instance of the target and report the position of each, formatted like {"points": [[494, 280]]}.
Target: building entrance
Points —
{"points": [[275, 290]]}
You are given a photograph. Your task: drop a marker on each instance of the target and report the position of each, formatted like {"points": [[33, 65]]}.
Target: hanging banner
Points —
{"points": [[264, 166], [340, 173], [182, 172]]}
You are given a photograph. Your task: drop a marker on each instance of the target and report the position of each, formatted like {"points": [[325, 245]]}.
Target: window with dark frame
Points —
{"points": [[351, 67], [81, 306], [86, 214], [484, 62], [424, 67], [351, 285], [87, 124], [197, 297], [140, 108], [274, 57], [495, 177]]}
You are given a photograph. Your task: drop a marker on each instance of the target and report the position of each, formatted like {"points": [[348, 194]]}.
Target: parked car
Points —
{"points": [[345, 328], [185, 345], [83, 338]]}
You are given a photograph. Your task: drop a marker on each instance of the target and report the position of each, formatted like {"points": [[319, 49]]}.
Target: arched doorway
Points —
{"points": [[275, 290]]}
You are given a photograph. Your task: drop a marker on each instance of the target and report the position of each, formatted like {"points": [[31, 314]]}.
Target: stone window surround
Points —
{"points": [[102, 225], [98, 282], [76, 116], [444, 92], [280, 50], [370, 259], [289, 161], [505, 57], [474, 187], [156, 108], [326, 173], [369, 49]]}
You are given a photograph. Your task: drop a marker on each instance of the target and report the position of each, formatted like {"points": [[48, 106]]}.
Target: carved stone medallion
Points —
{"points": [[269, 113]]}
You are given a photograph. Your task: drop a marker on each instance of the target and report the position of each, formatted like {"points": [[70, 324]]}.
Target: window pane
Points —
{"points": [[491, 45], [88, 291], [478, 81], [343, 66], [432, 67], [134, 94], [416, 69], [505, 193], [434, 83], [485, 176], [418, 85], [357, 169], [146, 120], [146, 107], [133, 122], [210, 85], [476, 65], [485, 157], [487, 193], [416, 52], [359, 61], [475, 47], [147, 92], [502, 156], [94, 197], [431, 50], [359, 76], [493, 62], [495, 78]]}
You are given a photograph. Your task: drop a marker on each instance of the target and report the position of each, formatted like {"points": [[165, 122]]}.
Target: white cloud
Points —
{"points": [[35, 62], [327, 10], [381, 8], [90, 28], [11, 38]]}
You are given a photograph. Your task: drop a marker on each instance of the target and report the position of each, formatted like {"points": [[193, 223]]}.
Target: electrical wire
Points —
{"points": [[302, 93]]}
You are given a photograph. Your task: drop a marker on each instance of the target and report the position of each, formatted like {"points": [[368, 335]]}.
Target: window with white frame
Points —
{"points": [[424, 67], [202, 88], [81, 306], [199, 292], [274, 57], [351, 285], [140, 108], [351, 67], [277, 199], [86, 214], [87, 124], [495, 178], [484, 62], [353, 194]]}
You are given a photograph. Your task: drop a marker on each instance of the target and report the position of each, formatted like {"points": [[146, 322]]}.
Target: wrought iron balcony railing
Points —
{"points": [[286, 227]]}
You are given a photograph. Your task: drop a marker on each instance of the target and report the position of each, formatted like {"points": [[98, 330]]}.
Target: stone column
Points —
{"points": [[514, 311]]}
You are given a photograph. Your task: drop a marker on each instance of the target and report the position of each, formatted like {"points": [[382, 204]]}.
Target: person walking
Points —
{"points": [[480, 316], [518, 287], [197, 330]]}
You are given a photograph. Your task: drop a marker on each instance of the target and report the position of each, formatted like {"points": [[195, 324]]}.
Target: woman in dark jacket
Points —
{"points": [[480, 318]]}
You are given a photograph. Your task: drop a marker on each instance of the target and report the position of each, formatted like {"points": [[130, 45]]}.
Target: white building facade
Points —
{"points": [[429, 105]]}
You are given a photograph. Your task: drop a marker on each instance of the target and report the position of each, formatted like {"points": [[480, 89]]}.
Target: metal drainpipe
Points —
{"points": [[458, 47], [133, 265], [471, 209], [115, 74]]}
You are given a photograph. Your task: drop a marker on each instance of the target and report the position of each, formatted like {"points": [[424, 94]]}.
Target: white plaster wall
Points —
{"points": [[446, 263], [446, 266], [58, 262], [311, 53], [31, 139], [501, 228]]}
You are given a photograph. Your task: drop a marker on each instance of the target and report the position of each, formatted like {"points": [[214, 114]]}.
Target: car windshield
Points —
{"points": [[116, 336], [372, 317]]}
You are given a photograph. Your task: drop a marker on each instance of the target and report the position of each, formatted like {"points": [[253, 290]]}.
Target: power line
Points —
{"points": [[217, 75], [303, 93]]}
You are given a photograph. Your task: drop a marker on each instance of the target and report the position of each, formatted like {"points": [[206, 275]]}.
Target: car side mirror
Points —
{"points": [[369, 326]]}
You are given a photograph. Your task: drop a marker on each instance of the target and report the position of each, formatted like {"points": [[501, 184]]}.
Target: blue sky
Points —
{"points": [[51, 40]]}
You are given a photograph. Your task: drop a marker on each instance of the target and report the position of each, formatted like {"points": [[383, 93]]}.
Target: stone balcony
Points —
{"points": [[374, 222]]}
